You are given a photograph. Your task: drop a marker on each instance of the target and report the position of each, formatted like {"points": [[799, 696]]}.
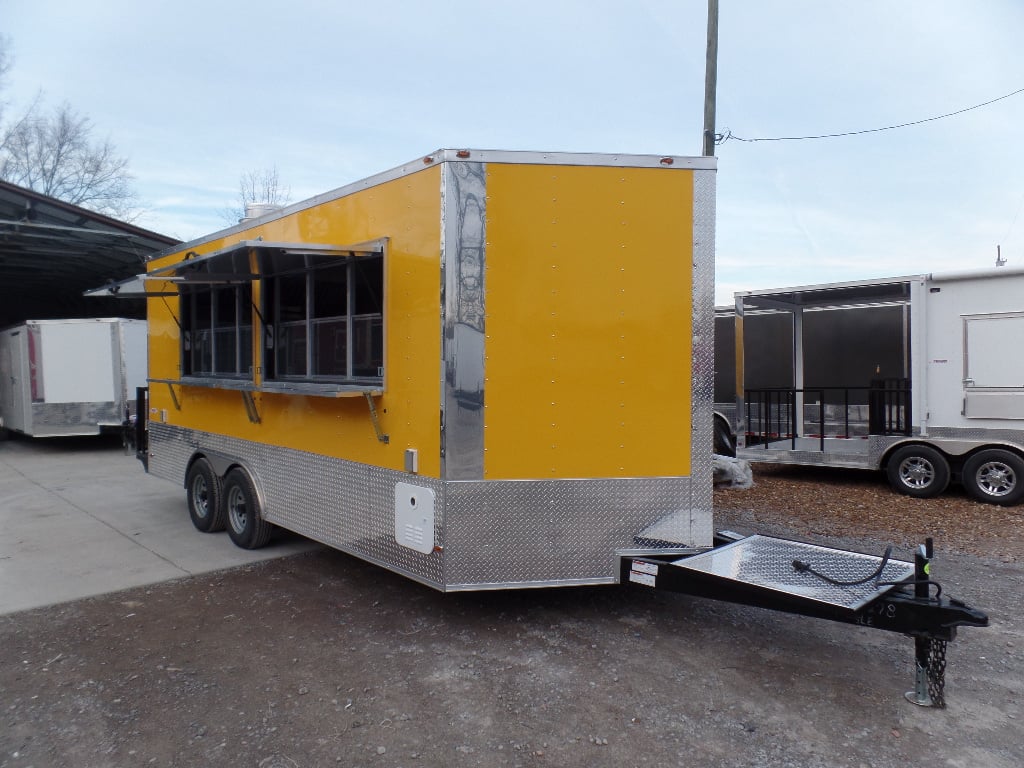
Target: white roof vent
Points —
{"points": [[256, 210]]}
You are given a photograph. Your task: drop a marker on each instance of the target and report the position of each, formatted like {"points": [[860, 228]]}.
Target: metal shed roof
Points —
{"points": [[52, 251]]}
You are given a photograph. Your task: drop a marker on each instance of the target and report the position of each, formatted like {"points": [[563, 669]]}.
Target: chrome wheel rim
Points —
{"points": [[996, 479], [917, 473]]}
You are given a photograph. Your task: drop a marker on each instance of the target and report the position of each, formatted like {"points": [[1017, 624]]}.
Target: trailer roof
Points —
{"points": [[883, 290], [890, 290], [668, 162], [52, 251]]}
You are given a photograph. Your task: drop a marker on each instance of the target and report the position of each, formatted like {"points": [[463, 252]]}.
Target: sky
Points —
{"points": [[328, 92]]}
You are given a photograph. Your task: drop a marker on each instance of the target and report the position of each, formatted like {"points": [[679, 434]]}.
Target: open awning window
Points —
{"points": [[315, 324], [233, 265]]}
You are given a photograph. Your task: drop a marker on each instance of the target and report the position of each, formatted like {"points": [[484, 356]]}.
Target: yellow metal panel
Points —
{"points": [[408, 212], [588, 325]]}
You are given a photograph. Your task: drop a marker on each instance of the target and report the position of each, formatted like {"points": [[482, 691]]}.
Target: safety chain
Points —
{"points": [[936, 671]]}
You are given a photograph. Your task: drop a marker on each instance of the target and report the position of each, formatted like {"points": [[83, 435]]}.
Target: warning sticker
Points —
{"points": [[642, 567], [646, 579]]}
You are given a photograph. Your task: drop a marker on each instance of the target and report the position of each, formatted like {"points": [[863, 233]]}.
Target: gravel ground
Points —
{"points": [[321, 659], [810, 502]]}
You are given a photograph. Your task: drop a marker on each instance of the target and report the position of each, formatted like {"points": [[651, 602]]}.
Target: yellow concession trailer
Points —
{"points": [[486, 370], [481, 369]]}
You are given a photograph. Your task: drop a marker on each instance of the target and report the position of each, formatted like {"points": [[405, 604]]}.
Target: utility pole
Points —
{"points": [[711, 79]]}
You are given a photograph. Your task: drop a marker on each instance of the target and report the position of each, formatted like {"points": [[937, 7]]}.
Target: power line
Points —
{"points": [[1013, 223], [722, 138]]}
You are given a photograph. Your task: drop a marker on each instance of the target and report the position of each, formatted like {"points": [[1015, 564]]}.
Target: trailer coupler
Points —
{"points": [[810, 580]]}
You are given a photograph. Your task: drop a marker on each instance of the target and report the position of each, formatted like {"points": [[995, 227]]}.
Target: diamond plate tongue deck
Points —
{"points": [[767, 562]]}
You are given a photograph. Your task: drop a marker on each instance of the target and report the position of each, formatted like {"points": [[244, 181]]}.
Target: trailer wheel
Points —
{"points": [[725, 443], [995, 476], [205, 497], [246, 525], [918, 471]]}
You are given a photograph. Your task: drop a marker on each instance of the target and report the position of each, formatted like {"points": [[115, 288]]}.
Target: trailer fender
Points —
{"points": [[220, 463]]}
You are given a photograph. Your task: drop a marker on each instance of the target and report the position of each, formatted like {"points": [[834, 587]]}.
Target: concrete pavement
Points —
{"points": [[78, 517]]}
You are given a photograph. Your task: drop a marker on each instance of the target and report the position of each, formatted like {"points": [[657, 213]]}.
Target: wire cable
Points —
{"points": [[802, 567], [721, 138]]}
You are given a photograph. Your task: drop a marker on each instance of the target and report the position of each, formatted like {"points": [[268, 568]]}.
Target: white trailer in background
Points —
{"points": [[70, 377], [954, 413]]}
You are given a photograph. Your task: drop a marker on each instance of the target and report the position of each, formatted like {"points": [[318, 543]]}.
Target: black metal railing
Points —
{"points": [[772, 413], [889, 407]]}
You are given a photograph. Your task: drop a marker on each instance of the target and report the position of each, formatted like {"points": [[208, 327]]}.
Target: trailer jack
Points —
{"points": [[810, 580]]}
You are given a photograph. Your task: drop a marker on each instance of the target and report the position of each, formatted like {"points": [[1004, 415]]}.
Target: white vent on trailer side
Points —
{"points": [[414, 517]]}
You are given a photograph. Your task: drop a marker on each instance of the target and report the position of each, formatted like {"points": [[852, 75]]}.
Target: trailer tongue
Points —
{"points": [[811, 580]]}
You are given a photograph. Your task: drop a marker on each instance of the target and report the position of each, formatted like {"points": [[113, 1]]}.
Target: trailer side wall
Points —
{"points": [[407, 211], [547, 371]]}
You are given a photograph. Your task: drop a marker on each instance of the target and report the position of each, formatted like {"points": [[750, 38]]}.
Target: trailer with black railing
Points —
{"points": [[909, 375]]}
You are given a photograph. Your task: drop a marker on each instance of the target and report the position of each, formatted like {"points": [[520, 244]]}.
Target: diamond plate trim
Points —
{"points": [[768, 562], [493, 533], [531, 533], [339, 503]]}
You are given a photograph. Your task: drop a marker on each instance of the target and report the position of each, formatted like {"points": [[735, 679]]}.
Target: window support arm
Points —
{"points": [[250, 407], [376, 422]]}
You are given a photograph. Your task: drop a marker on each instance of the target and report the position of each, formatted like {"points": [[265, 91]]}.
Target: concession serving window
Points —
{"points": [[317, 312]]}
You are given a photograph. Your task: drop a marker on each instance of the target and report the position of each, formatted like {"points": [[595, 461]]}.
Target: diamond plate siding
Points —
{"points": [[520, 533], [342, 504], [1015, 436], [768, 562], [494, 534]]}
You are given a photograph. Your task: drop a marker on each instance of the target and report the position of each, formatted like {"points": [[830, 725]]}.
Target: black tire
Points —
{"points": [[724, 442], [918, 471], [245, 522], [205, 497], [995, 476]]}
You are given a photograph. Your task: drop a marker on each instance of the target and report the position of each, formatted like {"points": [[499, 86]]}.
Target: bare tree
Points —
{"points": [[55, 154], [5, 66], [260, 187], [6, 60]]}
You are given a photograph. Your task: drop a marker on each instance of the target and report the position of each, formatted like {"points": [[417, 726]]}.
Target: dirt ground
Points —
{"points": [[320, 659]]}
